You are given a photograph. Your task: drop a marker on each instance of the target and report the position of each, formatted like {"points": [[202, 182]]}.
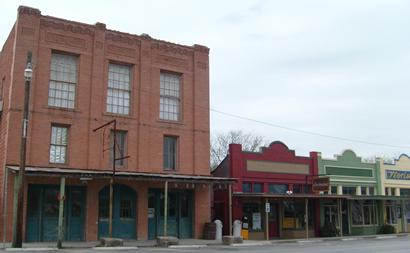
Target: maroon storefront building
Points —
{"points": [[273, 190]]}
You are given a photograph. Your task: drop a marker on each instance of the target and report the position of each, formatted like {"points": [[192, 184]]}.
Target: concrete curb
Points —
{"points": [[114, 248], [31, 249]]}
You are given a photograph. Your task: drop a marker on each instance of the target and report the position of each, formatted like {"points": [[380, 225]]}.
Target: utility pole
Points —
{"points": [[18, 204], [114, 159]]}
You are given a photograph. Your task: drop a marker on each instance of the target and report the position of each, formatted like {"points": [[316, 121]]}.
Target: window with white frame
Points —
{"points": [[58, 144], [118, 92], [170, 96], [63, 80]]}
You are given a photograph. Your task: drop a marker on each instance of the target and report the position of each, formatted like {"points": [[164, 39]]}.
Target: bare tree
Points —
{"points": [[220, 144]]}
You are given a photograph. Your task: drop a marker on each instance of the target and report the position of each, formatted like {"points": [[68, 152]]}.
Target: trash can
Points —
{"points": [[237, 226], [209, 231], [219, 226]]}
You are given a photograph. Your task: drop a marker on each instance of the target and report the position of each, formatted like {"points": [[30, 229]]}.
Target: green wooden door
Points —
{"points": [[179, 219], [42, 213], [124, 209]]}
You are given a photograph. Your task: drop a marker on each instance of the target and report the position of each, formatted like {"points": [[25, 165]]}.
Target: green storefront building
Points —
{"points": [[357, 208]]}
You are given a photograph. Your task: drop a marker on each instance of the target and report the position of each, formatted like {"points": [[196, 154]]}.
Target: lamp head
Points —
{"points": [[28, 72]]}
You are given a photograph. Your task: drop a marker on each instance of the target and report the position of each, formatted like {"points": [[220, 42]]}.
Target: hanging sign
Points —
{"points": [[397, 175], [320, 184]]}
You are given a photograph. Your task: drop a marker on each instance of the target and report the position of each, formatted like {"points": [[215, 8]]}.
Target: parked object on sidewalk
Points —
{"points": [[165, 241], [209, 231], [237, 227], [219, 226], [111, 242]]}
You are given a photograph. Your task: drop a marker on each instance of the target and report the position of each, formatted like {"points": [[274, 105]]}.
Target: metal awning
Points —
{"points": [[379, 197], [77, 173]]}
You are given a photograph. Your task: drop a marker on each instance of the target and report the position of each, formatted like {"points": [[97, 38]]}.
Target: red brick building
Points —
{"points": [[275, 177], [87, 75]]}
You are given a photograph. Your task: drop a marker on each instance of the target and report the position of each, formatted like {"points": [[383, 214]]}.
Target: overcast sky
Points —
{"points": [[338, 68]]}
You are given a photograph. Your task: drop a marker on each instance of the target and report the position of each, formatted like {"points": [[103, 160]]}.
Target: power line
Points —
{"points": [[307, 132]]}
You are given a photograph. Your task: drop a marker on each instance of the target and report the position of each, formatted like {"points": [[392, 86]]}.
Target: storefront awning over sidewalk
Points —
{"points": [[47, 171], [318, 196]]}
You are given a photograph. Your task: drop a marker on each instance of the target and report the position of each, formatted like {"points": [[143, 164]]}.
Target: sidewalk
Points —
{"points": [[196, 243]]}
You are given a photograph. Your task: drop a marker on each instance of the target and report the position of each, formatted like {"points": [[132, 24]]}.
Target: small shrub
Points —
{"points": [[387, 229], [329, 230]]}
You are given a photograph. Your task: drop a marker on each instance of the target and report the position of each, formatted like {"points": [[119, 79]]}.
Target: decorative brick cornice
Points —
{"points": [[202, 49], [67, 27], [173, 49], [28, 11], [124, 38]]}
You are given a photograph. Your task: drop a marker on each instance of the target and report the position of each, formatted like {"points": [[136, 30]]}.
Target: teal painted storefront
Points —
{"points": [[42, 214], [124, 212], [180, 213]]}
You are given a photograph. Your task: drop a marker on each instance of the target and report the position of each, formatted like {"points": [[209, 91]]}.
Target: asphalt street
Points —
{"points": [[390, 245]]}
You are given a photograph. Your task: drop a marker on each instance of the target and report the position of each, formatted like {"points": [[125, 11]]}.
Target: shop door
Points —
{"points": [[273, 220], [75, 214], [179, 219], [345, 217], [43, 209], [123, 222]]}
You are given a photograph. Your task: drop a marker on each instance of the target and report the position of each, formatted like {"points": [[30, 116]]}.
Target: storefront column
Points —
{"points": [[307, 219], [165, 208], [339, 215], [61, 213], [230, 208], [266, 219]]}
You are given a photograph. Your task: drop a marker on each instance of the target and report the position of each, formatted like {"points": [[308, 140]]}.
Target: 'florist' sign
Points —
{"points": [[397, 175]]}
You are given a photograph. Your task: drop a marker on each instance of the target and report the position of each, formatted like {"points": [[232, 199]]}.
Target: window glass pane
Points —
{"points": [[357, 215], [404, 192], [125, 208], [58, 144], [297, 188], [118, 92], [363, 190], [246, 187], [103, 208], [333, 189], [63, 79], [280, 188], [51, 203], [170, 152], [120, 146], [349, 190], [371, 190], [258, 187], [169, 96], [185, 206]]}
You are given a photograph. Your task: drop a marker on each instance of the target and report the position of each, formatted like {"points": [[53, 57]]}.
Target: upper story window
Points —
{"points": [[349, 190], [282, 188], [118, 92], [58, 144], [170, 97], [63, 80], [120, 144], [170, 152], [246, 187], [258, 187]]}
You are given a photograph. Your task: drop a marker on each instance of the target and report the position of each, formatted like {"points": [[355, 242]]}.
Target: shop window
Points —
{"points": [[391, 212], [258, 187], [253, 212], [404, 192], [294, 215], [364, 212], [331, 214], [246, 187], [281, 188], [349, 190]]}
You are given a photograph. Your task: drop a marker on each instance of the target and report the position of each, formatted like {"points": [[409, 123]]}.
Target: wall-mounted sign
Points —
{"points": [[397, 175], [320, 184], [151, 212], [256, 221]]}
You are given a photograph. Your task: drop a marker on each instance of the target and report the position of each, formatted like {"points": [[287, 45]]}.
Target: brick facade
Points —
{"points": [[96, 47]]}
